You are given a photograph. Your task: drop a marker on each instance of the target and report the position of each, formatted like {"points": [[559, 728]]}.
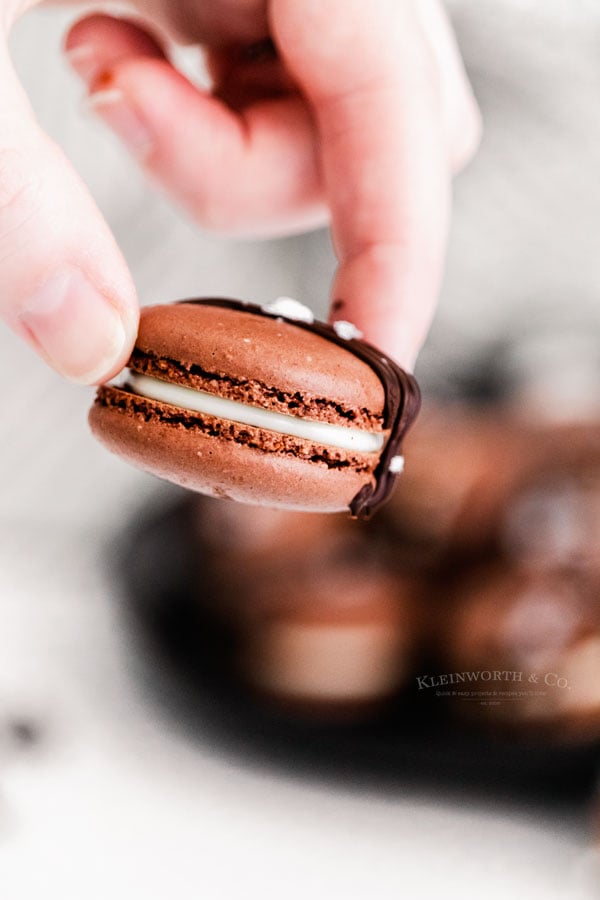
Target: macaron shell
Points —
{"points": [[275, 352], [224, 468]]}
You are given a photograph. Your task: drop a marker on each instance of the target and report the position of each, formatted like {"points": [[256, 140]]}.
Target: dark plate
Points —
{"points": [[184, 655]]}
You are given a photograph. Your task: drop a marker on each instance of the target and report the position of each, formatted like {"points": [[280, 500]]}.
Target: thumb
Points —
{"points": [[65, 287]]}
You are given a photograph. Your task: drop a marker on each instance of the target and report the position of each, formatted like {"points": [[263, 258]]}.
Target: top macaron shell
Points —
{"points": [[260, 360], [276, 353]]}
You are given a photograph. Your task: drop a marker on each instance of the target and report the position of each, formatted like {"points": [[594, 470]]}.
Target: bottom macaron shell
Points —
{"points": [[225, 468]]}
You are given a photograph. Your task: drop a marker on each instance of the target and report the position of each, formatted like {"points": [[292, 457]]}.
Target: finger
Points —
{"points": [[65, 286], [462, 118], [373, 84], [249, 172], [99, 41]]}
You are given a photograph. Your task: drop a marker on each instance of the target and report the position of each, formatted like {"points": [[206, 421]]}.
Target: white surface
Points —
{"points": [[113, 803]]}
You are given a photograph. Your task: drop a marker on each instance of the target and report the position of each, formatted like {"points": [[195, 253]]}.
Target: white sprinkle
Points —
{"points": [[396, 465], [346, 330], [290, 308]]}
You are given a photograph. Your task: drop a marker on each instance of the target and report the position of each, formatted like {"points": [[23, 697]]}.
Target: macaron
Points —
{"points": [[525, 646], [464, 465], [262, 405], [329, 639]]}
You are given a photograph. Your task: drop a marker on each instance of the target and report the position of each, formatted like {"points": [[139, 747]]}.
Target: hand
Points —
{"points": [[362, 114]]}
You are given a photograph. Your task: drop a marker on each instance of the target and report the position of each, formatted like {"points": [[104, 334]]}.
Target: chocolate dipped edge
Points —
{"points": [[401, 392]]}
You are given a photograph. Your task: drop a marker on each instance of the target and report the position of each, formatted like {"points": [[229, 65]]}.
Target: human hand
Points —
{"points": [[283, 142], [65, 286]]}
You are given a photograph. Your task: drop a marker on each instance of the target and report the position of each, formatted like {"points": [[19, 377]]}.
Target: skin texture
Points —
{"points": [[370, 147]]}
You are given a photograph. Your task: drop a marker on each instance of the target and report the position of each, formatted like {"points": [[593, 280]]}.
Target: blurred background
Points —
{"points": [[199, 697]]}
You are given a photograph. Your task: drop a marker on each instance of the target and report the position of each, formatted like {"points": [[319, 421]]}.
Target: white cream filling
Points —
{"points": [[222, 408]]}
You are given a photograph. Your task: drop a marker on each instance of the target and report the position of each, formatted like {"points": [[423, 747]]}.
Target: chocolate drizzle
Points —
{"points": [[402, 399]]}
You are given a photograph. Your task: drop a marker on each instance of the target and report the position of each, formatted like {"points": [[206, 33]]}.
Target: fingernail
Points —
{"points": [[123, 119], [76, 328]]}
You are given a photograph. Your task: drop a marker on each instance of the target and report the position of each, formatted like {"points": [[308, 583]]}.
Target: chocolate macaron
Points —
{"points": [[261, 405]]}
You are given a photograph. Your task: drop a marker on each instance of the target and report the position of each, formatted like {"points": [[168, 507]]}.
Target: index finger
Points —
{"points": [[368, 72]]}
